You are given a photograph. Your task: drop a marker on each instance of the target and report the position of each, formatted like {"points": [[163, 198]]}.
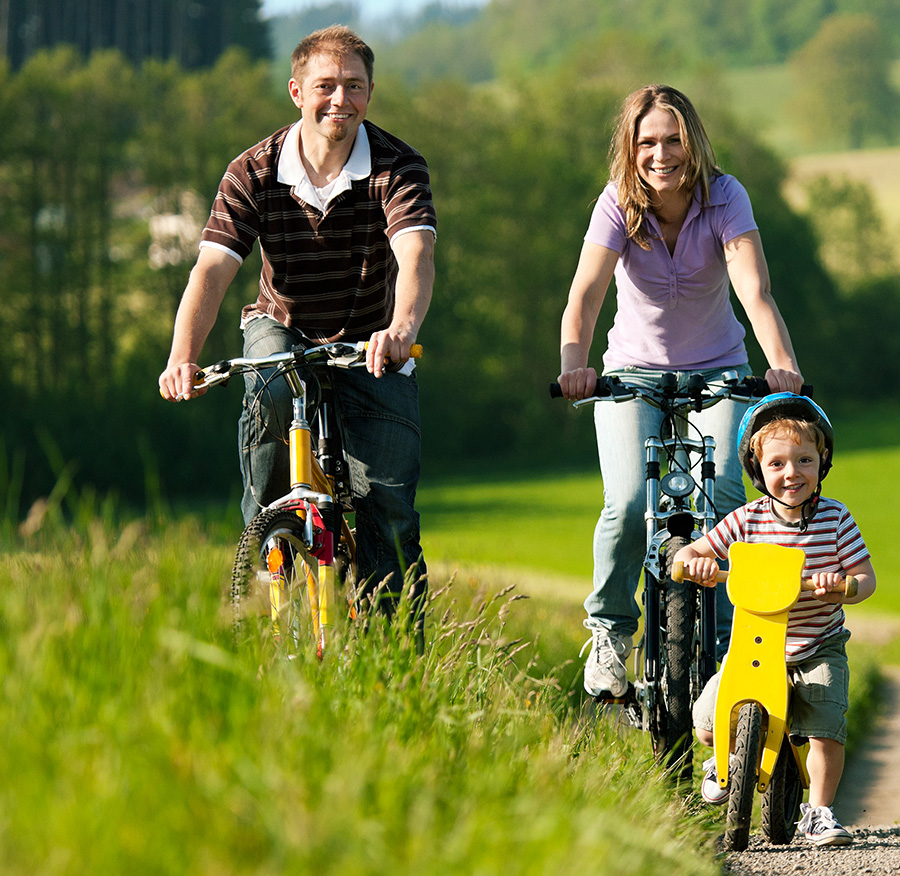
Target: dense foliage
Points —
{"points": [[106, 175]]}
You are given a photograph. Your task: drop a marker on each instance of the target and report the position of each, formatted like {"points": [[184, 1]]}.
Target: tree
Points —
{"points": [[844, 94]]}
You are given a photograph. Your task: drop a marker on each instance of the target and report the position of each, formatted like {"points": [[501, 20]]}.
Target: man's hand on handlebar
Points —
{"points": [[176, 383], [388, 345], [780, 380], [578, 383]]}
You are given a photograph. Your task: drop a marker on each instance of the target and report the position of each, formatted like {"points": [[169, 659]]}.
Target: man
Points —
{"points": [[344, 217]]}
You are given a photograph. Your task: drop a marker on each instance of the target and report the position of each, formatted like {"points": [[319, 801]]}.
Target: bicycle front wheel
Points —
{"points": [[275, 576], [680, 616], [781, 800], [742, 774]]}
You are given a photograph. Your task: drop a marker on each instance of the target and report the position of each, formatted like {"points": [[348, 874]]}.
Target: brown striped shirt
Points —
{"points": [[330, 275], [832, 543]]}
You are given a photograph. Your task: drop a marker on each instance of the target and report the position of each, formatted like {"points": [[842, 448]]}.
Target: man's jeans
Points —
{"points": [[620, 535], [379, 420]]}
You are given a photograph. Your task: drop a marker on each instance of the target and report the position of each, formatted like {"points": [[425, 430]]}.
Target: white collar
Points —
{"points": [[291, 171]]}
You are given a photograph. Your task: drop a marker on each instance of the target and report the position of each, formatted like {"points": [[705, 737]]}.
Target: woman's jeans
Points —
{"points": [[620, 540], [379, 420]]}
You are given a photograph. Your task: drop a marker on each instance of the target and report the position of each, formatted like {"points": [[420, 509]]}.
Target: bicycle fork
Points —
{"points": [[316, 509], [662, 524]]}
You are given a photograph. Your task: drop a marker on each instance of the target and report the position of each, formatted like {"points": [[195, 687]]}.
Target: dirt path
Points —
{"points": [[869, 794]]}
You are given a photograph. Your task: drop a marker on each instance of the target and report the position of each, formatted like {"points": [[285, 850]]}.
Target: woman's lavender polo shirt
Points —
{"points": [[673, 311]]}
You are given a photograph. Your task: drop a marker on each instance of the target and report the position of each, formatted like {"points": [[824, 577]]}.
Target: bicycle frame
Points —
{"points": [[316, 496], [752, 720], [764, 584], [679, 520]]}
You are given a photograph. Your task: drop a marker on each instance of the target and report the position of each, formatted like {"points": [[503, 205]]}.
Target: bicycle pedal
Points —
{"points": [[605, 698]]}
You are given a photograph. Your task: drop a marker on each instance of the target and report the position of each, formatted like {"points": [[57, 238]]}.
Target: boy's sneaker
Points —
{"points": [[820, 827], [605, 666], [709, 787]]}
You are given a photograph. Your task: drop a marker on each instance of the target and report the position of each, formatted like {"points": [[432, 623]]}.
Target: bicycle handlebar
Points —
{"points": [[337, 354], [695, 393], [849, 586]]}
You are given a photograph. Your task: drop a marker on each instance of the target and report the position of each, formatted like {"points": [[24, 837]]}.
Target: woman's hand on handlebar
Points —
{"points": [[578, 383], [176, 383], [781, 380]]}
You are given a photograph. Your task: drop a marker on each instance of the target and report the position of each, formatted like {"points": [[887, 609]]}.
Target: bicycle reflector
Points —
{"points": [[677, 484], [275, 560]]}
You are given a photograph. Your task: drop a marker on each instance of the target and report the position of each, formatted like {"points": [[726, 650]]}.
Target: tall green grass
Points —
{"points": [[135, 738]]}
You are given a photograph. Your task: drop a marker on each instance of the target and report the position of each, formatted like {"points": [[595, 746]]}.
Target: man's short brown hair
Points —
{"points": [[337, 41]]}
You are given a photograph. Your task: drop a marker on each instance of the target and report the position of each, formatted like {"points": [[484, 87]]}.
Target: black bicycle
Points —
{"points": [[676, 654]]}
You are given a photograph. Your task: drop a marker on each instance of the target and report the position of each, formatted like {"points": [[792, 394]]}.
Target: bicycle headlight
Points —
{"points": [[677, 484]]}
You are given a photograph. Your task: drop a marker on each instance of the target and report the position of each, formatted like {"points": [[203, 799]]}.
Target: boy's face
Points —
{"points": [[790, 471]]}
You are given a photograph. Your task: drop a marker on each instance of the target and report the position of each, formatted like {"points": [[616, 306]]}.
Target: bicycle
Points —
{"points": [[753, 716], [292, 555], [676, 654]]}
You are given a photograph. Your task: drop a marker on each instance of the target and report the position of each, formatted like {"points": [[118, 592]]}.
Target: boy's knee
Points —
{"points": [[704, 736]]}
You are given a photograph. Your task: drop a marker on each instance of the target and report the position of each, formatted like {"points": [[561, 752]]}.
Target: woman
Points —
{"points": [[674, 230]]}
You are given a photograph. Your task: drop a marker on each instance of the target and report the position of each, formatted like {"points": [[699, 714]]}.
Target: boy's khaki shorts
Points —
{"points": [[821, 694]]}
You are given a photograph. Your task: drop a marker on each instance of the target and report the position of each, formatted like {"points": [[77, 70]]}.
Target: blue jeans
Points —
{"points": [[379, 422], [620, 535]]}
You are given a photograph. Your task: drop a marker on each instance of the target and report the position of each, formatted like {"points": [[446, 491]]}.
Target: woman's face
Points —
{"points": [[659, 152]]}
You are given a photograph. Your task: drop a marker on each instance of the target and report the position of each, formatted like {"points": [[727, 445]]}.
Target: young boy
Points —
{"points": [[786, 445]]}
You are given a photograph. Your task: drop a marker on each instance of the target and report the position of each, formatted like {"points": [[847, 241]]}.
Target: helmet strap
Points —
{"points": [[807, 509]]}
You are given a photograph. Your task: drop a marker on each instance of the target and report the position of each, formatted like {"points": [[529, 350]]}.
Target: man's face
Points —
{"points": [[334, 96]]}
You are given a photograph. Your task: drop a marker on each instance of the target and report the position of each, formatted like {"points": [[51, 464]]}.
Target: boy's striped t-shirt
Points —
{"points": [[832, 542]]}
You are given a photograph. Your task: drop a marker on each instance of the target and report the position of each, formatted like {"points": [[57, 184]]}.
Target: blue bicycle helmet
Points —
{"points": [[781, 405]]}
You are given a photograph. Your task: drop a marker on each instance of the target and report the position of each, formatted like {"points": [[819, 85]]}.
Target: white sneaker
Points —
{"points": [[710, 790], [819, 826], [604, 669]]}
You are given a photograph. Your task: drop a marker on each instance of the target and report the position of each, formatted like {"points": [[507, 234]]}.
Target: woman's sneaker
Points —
{"points": [[709, 787], [819, 826], [604, 669]]}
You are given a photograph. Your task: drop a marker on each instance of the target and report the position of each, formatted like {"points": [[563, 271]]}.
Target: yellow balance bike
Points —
{"points": [[751, 732]]}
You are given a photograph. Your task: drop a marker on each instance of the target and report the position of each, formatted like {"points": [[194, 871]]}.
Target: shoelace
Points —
{"points": [[817, 820], [604, 644]]}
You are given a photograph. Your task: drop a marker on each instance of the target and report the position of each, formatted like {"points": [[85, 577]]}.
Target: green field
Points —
{"points": [[540, 529], [137, 738]]}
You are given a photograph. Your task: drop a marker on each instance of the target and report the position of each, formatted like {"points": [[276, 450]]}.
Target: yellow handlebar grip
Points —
{"points": [[415, 351]]}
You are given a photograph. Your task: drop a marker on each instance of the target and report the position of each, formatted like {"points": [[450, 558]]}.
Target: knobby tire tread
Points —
{"points": [[781, 800], [250, 559], [679, 655], [743, 777]]}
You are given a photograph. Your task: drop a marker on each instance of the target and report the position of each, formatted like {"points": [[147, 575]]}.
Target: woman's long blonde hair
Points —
{"points": [[700, 167]]}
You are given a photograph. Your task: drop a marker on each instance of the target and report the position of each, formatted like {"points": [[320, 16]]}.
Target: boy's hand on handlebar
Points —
{"points": [[578, 383], [702, 570], [176, 383], [780, 380], [826, 582]]}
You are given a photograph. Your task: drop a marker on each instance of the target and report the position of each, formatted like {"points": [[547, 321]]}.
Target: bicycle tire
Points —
{"points": [[742, 775], [680, 616], [282, 587], [782, 798]]}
